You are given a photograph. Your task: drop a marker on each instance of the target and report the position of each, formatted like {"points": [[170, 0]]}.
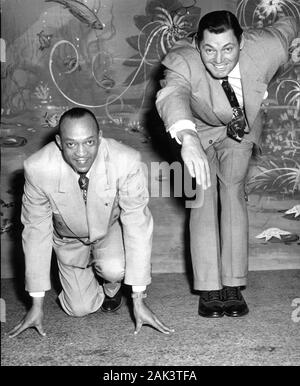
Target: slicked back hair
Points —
{"points": [[218, 22]]}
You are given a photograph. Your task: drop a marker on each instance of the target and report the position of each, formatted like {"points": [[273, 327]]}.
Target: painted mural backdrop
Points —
{"points": [[67, 57], [279, 167], [61, 53]]}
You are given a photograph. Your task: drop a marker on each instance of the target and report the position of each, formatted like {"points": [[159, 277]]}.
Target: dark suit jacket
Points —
{"points": [[54, 211], [190, 92]]}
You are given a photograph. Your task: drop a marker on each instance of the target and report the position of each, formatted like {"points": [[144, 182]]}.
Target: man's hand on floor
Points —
{"points": [[143, 315], [33, 318]]}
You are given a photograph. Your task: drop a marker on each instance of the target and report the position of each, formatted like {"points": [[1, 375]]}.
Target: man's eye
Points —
{"points": [[90, 142], [70, 145], [228, 49], [209, 51]]}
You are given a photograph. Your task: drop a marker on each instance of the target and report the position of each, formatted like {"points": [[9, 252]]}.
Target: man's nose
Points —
{"points": [[219, 57], [81, 150]]}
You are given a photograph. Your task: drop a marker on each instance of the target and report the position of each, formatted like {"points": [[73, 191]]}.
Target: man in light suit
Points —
{"points": [[217, 137], [104, 229]]}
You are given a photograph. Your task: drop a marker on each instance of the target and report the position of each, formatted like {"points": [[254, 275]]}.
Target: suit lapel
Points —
{"points": [[100, 195], [70, 202], [219, 101], [253, 87], [93, 217]]}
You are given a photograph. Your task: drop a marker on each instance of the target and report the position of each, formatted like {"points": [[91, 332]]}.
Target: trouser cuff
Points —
{"points": [[234, 281], [207, 286]]}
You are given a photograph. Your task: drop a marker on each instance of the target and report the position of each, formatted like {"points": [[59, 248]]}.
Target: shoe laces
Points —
{"points": [[212, 295], [232, 293]]}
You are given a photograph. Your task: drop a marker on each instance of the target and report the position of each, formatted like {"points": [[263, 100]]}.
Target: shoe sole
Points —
{"points": [[235, 315], [213, 316], [115, 309]]}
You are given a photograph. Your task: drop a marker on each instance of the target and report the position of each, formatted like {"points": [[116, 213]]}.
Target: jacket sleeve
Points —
{"points": [[173, 100], [137, 223], [37, 235], [285, 29], [272, 44]]}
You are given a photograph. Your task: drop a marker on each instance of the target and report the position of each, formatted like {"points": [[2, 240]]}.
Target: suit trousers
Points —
{"points": [[219, 228], [81, 292]]}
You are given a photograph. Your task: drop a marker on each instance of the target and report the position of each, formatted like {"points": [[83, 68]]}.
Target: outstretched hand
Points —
{"points": [[33, 318], [143, 315], [195, 159]]}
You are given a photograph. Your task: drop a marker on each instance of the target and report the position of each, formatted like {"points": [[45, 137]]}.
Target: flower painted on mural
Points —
{"points": [[282, 138], [269, 8], [165, 22], [42, 91], [291, 93], [295, 50], [258, 13], [277, 175]]}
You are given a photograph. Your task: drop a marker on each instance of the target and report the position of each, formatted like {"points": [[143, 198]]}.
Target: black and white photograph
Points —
{"points": [[150, 186]]}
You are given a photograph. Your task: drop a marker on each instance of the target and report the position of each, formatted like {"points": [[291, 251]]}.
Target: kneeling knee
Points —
{"points": [[112, 274]]}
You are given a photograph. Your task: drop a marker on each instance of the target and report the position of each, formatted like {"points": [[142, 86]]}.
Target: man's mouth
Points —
{"points": [[220, 67], [81, 161]]}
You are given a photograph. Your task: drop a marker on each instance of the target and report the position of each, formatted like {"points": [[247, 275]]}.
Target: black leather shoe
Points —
{"points": [[234, 303], [111, 304], [211, 304]]}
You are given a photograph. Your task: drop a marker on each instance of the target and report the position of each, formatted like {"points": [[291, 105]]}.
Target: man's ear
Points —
{"points": [[242, 43], [58, 141]]}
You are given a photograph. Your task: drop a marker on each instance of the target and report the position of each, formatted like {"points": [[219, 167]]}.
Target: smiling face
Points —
{"points": [[220, 52], [79, 141]]}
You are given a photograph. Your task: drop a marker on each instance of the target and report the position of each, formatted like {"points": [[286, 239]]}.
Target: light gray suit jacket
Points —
{"points": [[54, 213], [190, 92]]}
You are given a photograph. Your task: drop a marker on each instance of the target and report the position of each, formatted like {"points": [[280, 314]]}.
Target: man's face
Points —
{"points": [[79, 142], [220, 52]]}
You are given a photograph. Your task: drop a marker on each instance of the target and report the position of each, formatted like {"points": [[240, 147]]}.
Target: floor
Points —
{"points": [[269, 335]]}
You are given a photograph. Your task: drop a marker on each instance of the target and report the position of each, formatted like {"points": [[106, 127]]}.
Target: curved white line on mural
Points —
{"points": [[77, 61], [107, 111], [83, 104]]}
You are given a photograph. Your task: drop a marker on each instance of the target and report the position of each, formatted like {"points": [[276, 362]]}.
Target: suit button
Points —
{"points": [[210, 141]]}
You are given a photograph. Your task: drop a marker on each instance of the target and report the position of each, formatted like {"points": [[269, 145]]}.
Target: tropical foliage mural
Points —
{"points": [[105, 54], [278, 171]]}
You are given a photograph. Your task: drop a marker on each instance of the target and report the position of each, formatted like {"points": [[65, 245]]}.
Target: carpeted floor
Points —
{"points": [[269, 335]]}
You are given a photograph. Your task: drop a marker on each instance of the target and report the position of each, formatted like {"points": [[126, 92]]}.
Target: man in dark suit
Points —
{"points": [[86, 197], [210, 102]]}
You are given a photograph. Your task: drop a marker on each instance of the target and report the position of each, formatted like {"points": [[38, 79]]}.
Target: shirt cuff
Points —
{"points": [[182, 124], [37, 294], [138, 288]]}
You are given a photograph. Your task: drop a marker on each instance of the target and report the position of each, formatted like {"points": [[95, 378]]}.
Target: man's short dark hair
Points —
{"points": [[76, 113], [218, 22]]}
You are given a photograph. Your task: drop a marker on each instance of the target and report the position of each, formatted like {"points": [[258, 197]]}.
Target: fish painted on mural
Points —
{"points": [[51, 120], [44, 39], [71, 64], [106, 82], [81, 12]]}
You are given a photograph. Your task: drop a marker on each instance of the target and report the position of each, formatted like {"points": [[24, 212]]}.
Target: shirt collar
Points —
{"points": [[235, 72]]}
